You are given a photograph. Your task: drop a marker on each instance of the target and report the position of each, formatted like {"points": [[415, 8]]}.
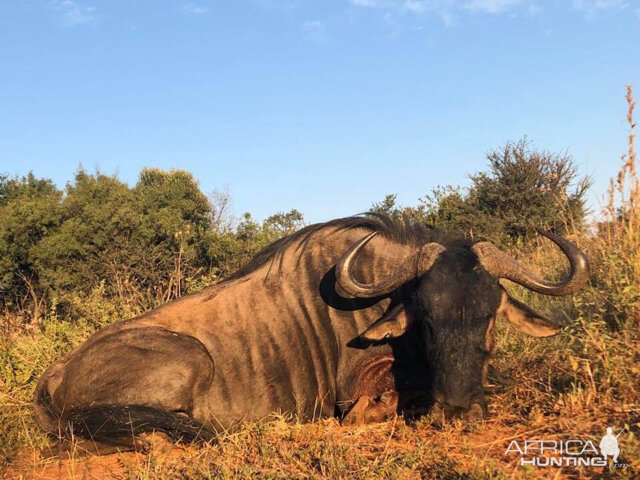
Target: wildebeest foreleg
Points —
{"points": [[369, 410]]}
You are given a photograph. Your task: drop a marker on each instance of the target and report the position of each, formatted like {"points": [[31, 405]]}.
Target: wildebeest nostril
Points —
{"points": [[469, 409]]}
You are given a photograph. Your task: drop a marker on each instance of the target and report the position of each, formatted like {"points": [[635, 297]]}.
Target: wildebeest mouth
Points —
{"points": [[441, 413]]}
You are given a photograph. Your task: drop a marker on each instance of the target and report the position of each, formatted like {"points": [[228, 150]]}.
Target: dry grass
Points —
{"points": [[571, 386], [531, 407]]}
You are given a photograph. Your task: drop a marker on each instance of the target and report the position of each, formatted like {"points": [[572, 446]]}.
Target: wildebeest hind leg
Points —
{"points": [[135, 381]]}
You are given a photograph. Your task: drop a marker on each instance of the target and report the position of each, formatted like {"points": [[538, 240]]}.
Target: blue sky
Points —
{"points": [[323, 106]]}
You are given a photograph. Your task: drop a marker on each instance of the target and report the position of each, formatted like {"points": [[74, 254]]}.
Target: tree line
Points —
{"points": [[139, 246]]}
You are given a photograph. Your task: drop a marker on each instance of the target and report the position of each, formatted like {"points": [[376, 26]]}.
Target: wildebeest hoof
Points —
{"points": [[389, 398], [356, 415], [368, 410]]}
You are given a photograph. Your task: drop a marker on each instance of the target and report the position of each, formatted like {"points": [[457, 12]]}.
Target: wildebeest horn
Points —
{"points": [[411, 267], [501, 265]]}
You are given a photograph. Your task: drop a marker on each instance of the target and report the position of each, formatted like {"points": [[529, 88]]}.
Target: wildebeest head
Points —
{"points": [[455, 297]]}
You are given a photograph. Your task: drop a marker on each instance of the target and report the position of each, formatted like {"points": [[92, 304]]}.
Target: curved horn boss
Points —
{"points": [[502, 265], [412, 267]]}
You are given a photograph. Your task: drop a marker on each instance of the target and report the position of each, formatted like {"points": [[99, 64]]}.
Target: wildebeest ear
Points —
{"points": [[393, 324], [526, 319]]}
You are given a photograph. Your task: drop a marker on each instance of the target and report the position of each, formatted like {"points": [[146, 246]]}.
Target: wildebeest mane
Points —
{"points": [[398, 228]]}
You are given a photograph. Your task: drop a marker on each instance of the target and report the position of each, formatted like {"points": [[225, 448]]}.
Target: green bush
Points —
{"points": [[138, 247], [523, 188]]}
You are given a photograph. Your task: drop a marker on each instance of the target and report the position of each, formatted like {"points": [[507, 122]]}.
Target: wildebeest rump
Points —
{"points": [[360, 315]]}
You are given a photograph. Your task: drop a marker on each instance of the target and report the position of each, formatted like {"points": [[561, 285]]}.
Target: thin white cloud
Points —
{"points": [[364, 3], [448, 10], [534, 10], [448, 19], [195, 9], [316, 32], [415, 6], [285, 5], [74, 13], [418, 7], [491, 6], [591, 8]]}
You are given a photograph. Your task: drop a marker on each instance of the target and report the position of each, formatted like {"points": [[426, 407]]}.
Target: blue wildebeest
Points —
{"points": [[354, 317]]}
